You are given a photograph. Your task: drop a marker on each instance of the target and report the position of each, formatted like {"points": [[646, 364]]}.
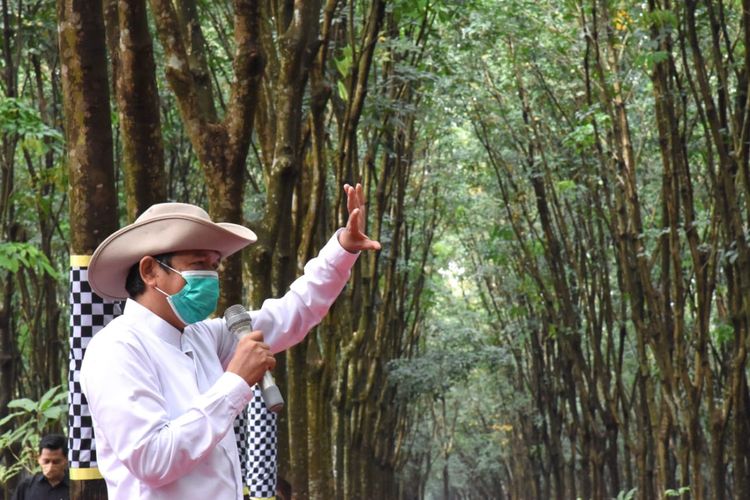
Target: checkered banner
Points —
{"points": [[89, 313], [240, 434], [260, 469]]}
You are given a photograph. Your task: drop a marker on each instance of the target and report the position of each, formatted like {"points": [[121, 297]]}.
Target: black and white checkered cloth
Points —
{"points": [[240, 434], [88, 314], [262, 441]]}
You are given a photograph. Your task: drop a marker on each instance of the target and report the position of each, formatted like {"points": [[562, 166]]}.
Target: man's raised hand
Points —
{"points": [[352, 238]]}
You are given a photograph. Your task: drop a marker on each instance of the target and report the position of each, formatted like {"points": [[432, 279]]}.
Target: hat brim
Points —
{"points": [[114, 257]]}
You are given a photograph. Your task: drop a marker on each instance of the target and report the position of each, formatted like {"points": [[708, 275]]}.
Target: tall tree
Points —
{"points": [[88, 128], [137, 98], [290, 43]]}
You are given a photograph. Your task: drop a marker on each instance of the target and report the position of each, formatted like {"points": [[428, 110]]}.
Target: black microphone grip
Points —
{"points": [[239, 323]]}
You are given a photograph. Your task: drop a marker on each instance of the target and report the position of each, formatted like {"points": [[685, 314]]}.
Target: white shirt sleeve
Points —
{"points": [[285, 321]]}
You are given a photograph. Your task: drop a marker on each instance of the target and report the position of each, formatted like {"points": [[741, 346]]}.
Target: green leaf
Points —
{"points": [[724, 333], [9, 417], [15, 255], [581, 137], [23, 403], [565, 185], [661, 18], [53, 395], [19, 118], [651, 59], [627, 495], [7, 263], [678, 492], [53, 413], [344, 64], [343, 93]]}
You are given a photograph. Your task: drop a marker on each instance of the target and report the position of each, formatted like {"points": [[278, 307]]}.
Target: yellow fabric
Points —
{"points": [[85, 474], [80, 260]]}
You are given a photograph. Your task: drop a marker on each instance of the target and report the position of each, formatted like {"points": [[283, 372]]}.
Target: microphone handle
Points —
{"points": [[271, 393], [269, 390]]}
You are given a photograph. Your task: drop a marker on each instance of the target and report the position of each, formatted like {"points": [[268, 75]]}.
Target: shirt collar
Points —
{"points": [[39, 477], [152, 324]]}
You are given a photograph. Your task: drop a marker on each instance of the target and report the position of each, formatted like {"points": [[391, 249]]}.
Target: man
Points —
{"points": [[164, 383], [52, 482]]}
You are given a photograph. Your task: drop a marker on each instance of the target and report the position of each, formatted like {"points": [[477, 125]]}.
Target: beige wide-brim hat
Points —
{"points": [[163, 228]]}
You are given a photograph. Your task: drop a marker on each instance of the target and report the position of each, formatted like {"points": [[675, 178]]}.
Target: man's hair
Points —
{"points": [[134, 283], [54, 442]]}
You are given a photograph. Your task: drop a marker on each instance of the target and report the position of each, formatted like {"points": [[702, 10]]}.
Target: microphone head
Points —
{"points": [[236, 316]]}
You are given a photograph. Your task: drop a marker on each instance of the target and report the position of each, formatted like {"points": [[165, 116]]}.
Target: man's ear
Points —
{"points": [[148, 267]]}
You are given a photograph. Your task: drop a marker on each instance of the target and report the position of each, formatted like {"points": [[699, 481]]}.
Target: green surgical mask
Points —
{"points": [[197, 299]]}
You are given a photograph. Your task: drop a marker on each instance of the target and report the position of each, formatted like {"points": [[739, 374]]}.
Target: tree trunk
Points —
{"points": [[93, 204], [93, 201], [137, 100]]}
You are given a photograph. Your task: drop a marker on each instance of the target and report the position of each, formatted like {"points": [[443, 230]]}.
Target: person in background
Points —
{"points": [[52, 482]]}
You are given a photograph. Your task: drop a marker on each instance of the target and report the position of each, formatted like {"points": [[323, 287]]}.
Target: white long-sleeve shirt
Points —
{"points": [[163, 406]]}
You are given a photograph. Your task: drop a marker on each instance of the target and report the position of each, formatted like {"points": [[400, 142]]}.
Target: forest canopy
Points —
{"points": [[561, 308]]}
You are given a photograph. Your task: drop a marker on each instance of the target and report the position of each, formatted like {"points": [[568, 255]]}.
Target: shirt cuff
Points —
{"points": [[238, 392], [334, 253]]}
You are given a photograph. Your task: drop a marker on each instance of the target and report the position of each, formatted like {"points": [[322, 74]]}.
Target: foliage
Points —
{"points": [[510, 106], [19, 118], [33, 236], [678, 492], [627, 495], [16, 255]]}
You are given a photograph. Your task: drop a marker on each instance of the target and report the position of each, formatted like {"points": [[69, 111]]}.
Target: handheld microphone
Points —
{"points": [[239, 323]]}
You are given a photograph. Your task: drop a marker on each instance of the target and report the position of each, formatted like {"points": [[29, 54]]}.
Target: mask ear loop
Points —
{"points": [[165, 265], [168, 268]]}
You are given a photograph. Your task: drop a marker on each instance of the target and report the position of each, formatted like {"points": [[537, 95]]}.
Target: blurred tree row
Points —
{"points": [[603, 274]]}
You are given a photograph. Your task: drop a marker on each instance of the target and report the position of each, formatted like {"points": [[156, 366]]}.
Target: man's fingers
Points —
{"points": [[355, 197], [254, 340], [354, 221], [255, 335], [252, 358], [372, 245], [360, 195], [351, 201], [353, 238]]}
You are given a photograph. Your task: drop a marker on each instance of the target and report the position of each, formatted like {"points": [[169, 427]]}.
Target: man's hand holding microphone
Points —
{"points": [[252, 359]]}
